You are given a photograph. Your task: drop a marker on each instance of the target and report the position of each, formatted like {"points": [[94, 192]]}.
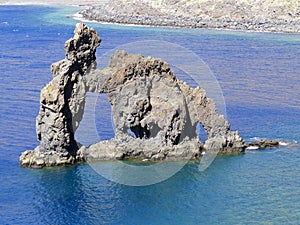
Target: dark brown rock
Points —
{"points": [[263, 143]]}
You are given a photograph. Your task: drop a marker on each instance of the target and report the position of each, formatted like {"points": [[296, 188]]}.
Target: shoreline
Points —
{"points": [[93, 14], [92, 11], [78, 17]]}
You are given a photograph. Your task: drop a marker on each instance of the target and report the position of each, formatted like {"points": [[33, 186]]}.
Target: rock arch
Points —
{"points": [[146, 98]]}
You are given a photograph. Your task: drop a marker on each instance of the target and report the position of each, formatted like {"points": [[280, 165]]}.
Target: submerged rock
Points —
{"points": [[147, 101], [262, 144]]}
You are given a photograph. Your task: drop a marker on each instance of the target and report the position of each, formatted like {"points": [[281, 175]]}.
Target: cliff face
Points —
{"points": [[147, 101]]}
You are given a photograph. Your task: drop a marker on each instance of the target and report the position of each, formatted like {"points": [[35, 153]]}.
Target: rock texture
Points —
{"points": [[155, 114], [62, 102], [263, 144], [257, 15]]}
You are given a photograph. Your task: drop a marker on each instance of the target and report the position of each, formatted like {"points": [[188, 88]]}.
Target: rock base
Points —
{"points": [[132, 148], [37, 159], [263, 144], [114, 150]]}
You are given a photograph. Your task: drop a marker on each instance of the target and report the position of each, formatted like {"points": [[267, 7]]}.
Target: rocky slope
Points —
{"points": [[255, 15]]}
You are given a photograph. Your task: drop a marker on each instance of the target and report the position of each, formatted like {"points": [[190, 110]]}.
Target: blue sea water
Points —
{"points": [[259, 76]]}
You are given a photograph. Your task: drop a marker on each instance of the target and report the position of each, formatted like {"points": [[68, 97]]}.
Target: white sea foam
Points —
{"points": [[79, 17], [252, 148], [283, 143]]}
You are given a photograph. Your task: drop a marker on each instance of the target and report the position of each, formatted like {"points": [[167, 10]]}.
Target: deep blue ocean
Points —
{"points": [[259, 74]]}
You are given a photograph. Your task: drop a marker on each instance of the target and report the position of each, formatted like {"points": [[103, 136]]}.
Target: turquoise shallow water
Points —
{"points": [[259, 77]]}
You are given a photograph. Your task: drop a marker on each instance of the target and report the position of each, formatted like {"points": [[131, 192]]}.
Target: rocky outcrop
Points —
{"points": [[154, 113], [263, 144]]}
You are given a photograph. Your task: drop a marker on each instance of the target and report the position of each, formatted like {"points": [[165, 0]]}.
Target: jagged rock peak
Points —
{"points": [[62, 102], [80, 50]]}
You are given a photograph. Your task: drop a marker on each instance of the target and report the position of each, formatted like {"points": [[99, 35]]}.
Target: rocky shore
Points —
{"points": [[251, 15], [246, 15]]}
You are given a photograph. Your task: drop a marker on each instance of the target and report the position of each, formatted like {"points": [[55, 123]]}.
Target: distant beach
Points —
{"points": [[247, 15], [50, 2]]}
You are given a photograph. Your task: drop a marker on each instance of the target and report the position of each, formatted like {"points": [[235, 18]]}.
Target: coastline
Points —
{"points": [[242, 15], [80, 18], [133, 13]]}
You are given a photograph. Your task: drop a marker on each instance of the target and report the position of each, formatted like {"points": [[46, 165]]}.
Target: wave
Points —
{"points": [[252, 148], [283, 143]]}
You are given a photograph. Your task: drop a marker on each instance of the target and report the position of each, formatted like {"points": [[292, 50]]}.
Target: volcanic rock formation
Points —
{"points": [[146, 99]]}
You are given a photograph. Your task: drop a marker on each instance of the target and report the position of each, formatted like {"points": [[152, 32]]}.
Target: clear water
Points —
{"points": [[259, 76]]}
